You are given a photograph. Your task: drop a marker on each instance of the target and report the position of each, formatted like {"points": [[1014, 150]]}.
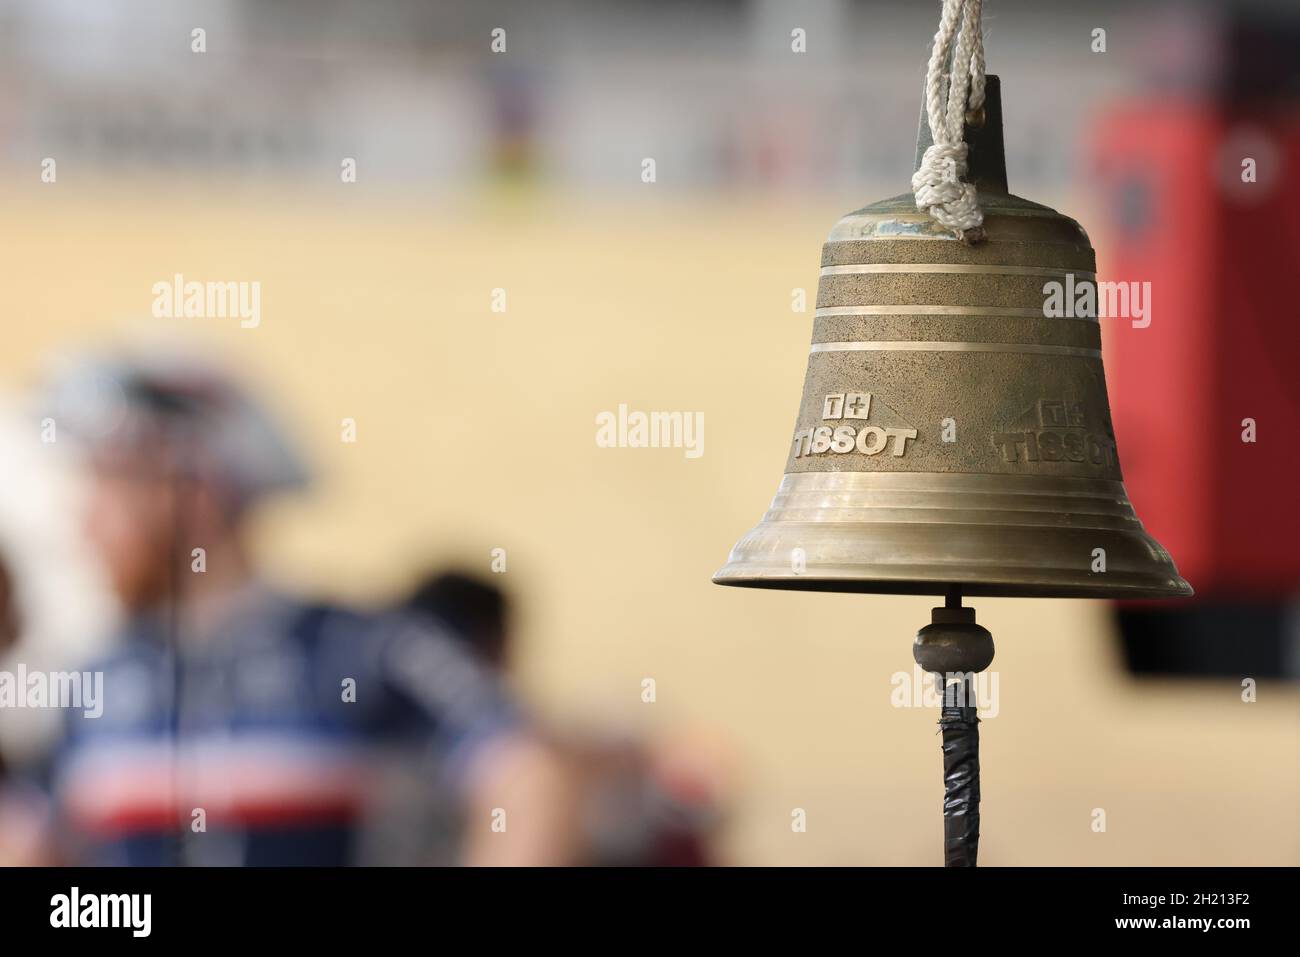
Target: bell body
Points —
{"points": [[951, 432]]}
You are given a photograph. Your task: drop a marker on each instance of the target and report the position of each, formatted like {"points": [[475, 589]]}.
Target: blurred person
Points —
{"points": [[418, 825], [643, 802], [8, 612], [476, 611], [8, 627], [239, 725], [56, 611]]}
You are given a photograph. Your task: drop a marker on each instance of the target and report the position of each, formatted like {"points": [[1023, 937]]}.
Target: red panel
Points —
{"points": [[1223, 343]]}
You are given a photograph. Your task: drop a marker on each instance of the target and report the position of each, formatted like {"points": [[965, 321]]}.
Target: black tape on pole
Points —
{"points": [[961, 774]]}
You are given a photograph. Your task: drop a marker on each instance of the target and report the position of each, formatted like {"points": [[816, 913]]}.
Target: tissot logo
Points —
{"points": [[75, 909], [867, 439]]}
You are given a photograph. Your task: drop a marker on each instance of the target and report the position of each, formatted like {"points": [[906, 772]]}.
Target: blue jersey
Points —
{"points": [[265, 741]]}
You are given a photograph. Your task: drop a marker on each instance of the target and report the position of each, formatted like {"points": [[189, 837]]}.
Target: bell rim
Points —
{"points": [[1178, 588], [921, 533]]}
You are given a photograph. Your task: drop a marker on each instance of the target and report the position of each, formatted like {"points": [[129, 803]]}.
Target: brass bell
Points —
{"points": [[951, 434]]}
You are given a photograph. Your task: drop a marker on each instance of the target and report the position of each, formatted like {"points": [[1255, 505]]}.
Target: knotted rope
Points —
{"points": [[939, 184]]}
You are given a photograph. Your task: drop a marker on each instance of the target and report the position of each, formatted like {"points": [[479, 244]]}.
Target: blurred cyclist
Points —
{"points": [[245, 726], [644, 802]]}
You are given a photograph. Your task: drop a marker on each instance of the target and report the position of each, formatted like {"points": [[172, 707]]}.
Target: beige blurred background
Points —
{"points": [[475, 429]]}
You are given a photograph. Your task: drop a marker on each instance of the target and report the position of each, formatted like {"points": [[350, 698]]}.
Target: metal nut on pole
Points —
{"points": [[953, 643]]}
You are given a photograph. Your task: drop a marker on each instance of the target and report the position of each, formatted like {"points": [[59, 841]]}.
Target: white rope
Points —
{"points": [[939, 184]]}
